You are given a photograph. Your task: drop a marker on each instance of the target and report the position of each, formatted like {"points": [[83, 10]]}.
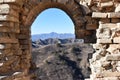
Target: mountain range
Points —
{"points": [[68, 61], [52, 35]]}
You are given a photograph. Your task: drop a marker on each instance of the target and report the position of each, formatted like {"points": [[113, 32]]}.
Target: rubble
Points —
{"points": [[106, 66]]}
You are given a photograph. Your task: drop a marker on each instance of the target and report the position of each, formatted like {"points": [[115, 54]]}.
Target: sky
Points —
{"points": [[52, 20]]}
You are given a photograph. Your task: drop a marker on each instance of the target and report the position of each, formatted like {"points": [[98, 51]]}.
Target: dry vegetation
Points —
{"points": [[62, 61]]}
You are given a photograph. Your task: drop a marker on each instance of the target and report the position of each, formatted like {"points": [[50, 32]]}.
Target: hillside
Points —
{"points": [[48, 41], [62, 61]]}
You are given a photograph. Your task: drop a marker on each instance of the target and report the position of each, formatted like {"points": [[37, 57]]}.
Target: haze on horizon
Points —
{"points": [[52, 20]]}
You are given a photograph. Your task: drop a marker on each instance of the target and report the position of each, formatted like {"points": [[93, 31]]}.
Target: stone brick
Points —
{"points": [[106, 64], [1, 1], [107, 78], [108, 74], [106, 4], [99, 15], [2, 46], [108, 25], [118, 25], [64, 2], [115, 20], [85, 8], [118, 64], [6, 29], [104, 0], [96, 56], [8, 18], [116, 40], [91, 26], [118, 69], [1, 64], [113, 15], [104, 41], [8, 40], [103, 33], [20, 2], [117, 9], [104, 20], [115, 57], [4, 9], [114, 48]]}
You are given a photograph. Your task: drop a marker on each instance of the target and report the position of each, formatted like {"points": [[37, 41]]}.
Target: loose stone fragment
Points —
{"points": [[2, 46]]}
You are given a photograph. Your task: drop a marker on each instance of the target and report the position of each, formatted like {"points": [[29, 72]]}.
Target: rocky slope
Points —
{"points": [[40, 42], [62, 61]]}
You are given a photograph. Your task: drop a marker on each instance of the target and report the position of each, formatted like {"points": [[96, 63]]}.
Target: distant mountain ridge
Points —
{"points": [[52, 35]]}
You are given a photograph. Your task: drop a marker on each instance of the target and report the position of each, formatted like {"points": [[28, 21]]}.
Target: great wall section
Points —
{"points": [[96, 21]]}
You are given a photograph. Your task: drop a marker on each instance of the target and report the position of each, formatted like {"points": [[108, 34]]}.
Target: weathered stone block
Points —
{"points": [[108, 25], [115, 57], [104, 20], [8, 18], [116, 40], [2, 46], [91, 26], [106, 64], [104, 41], [1, 64], [115, 32], [114, 48], [99, 15], [113, 15], [85, 8], [117, 9], [106, 4], [118, 25], [64, 2], [108, 74], [19, 2], [99, 46], [115, 20], [118, 69], [103, 33], [4, 9], [96, 56], [8, 40], [103, 1], [118, 64]]}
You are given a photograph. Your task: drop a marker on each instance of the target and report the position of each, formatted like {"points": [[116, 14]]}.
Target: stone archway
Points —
{"points": [[16, 17], [32, 8], [70, 7], [73, 11]]}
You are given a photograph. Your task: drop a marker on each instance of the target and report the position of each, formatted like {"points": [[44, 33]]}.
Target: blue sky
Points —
{"points": [[52, 20]]}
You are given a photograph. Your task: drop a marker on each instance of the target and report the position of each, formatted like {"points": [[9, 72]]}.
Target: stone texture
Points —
{"points": [[116, 40], [99, 15], [105, 61], [113, 15], [106, 4], [104, 41], [117, 8], [2, 46], [16, 17]]}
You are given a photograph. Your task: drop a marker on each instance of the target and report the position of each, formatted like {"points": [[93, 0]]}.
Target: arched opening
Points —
{"points": [[52, 22], [60, 55], [48, 56]]}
